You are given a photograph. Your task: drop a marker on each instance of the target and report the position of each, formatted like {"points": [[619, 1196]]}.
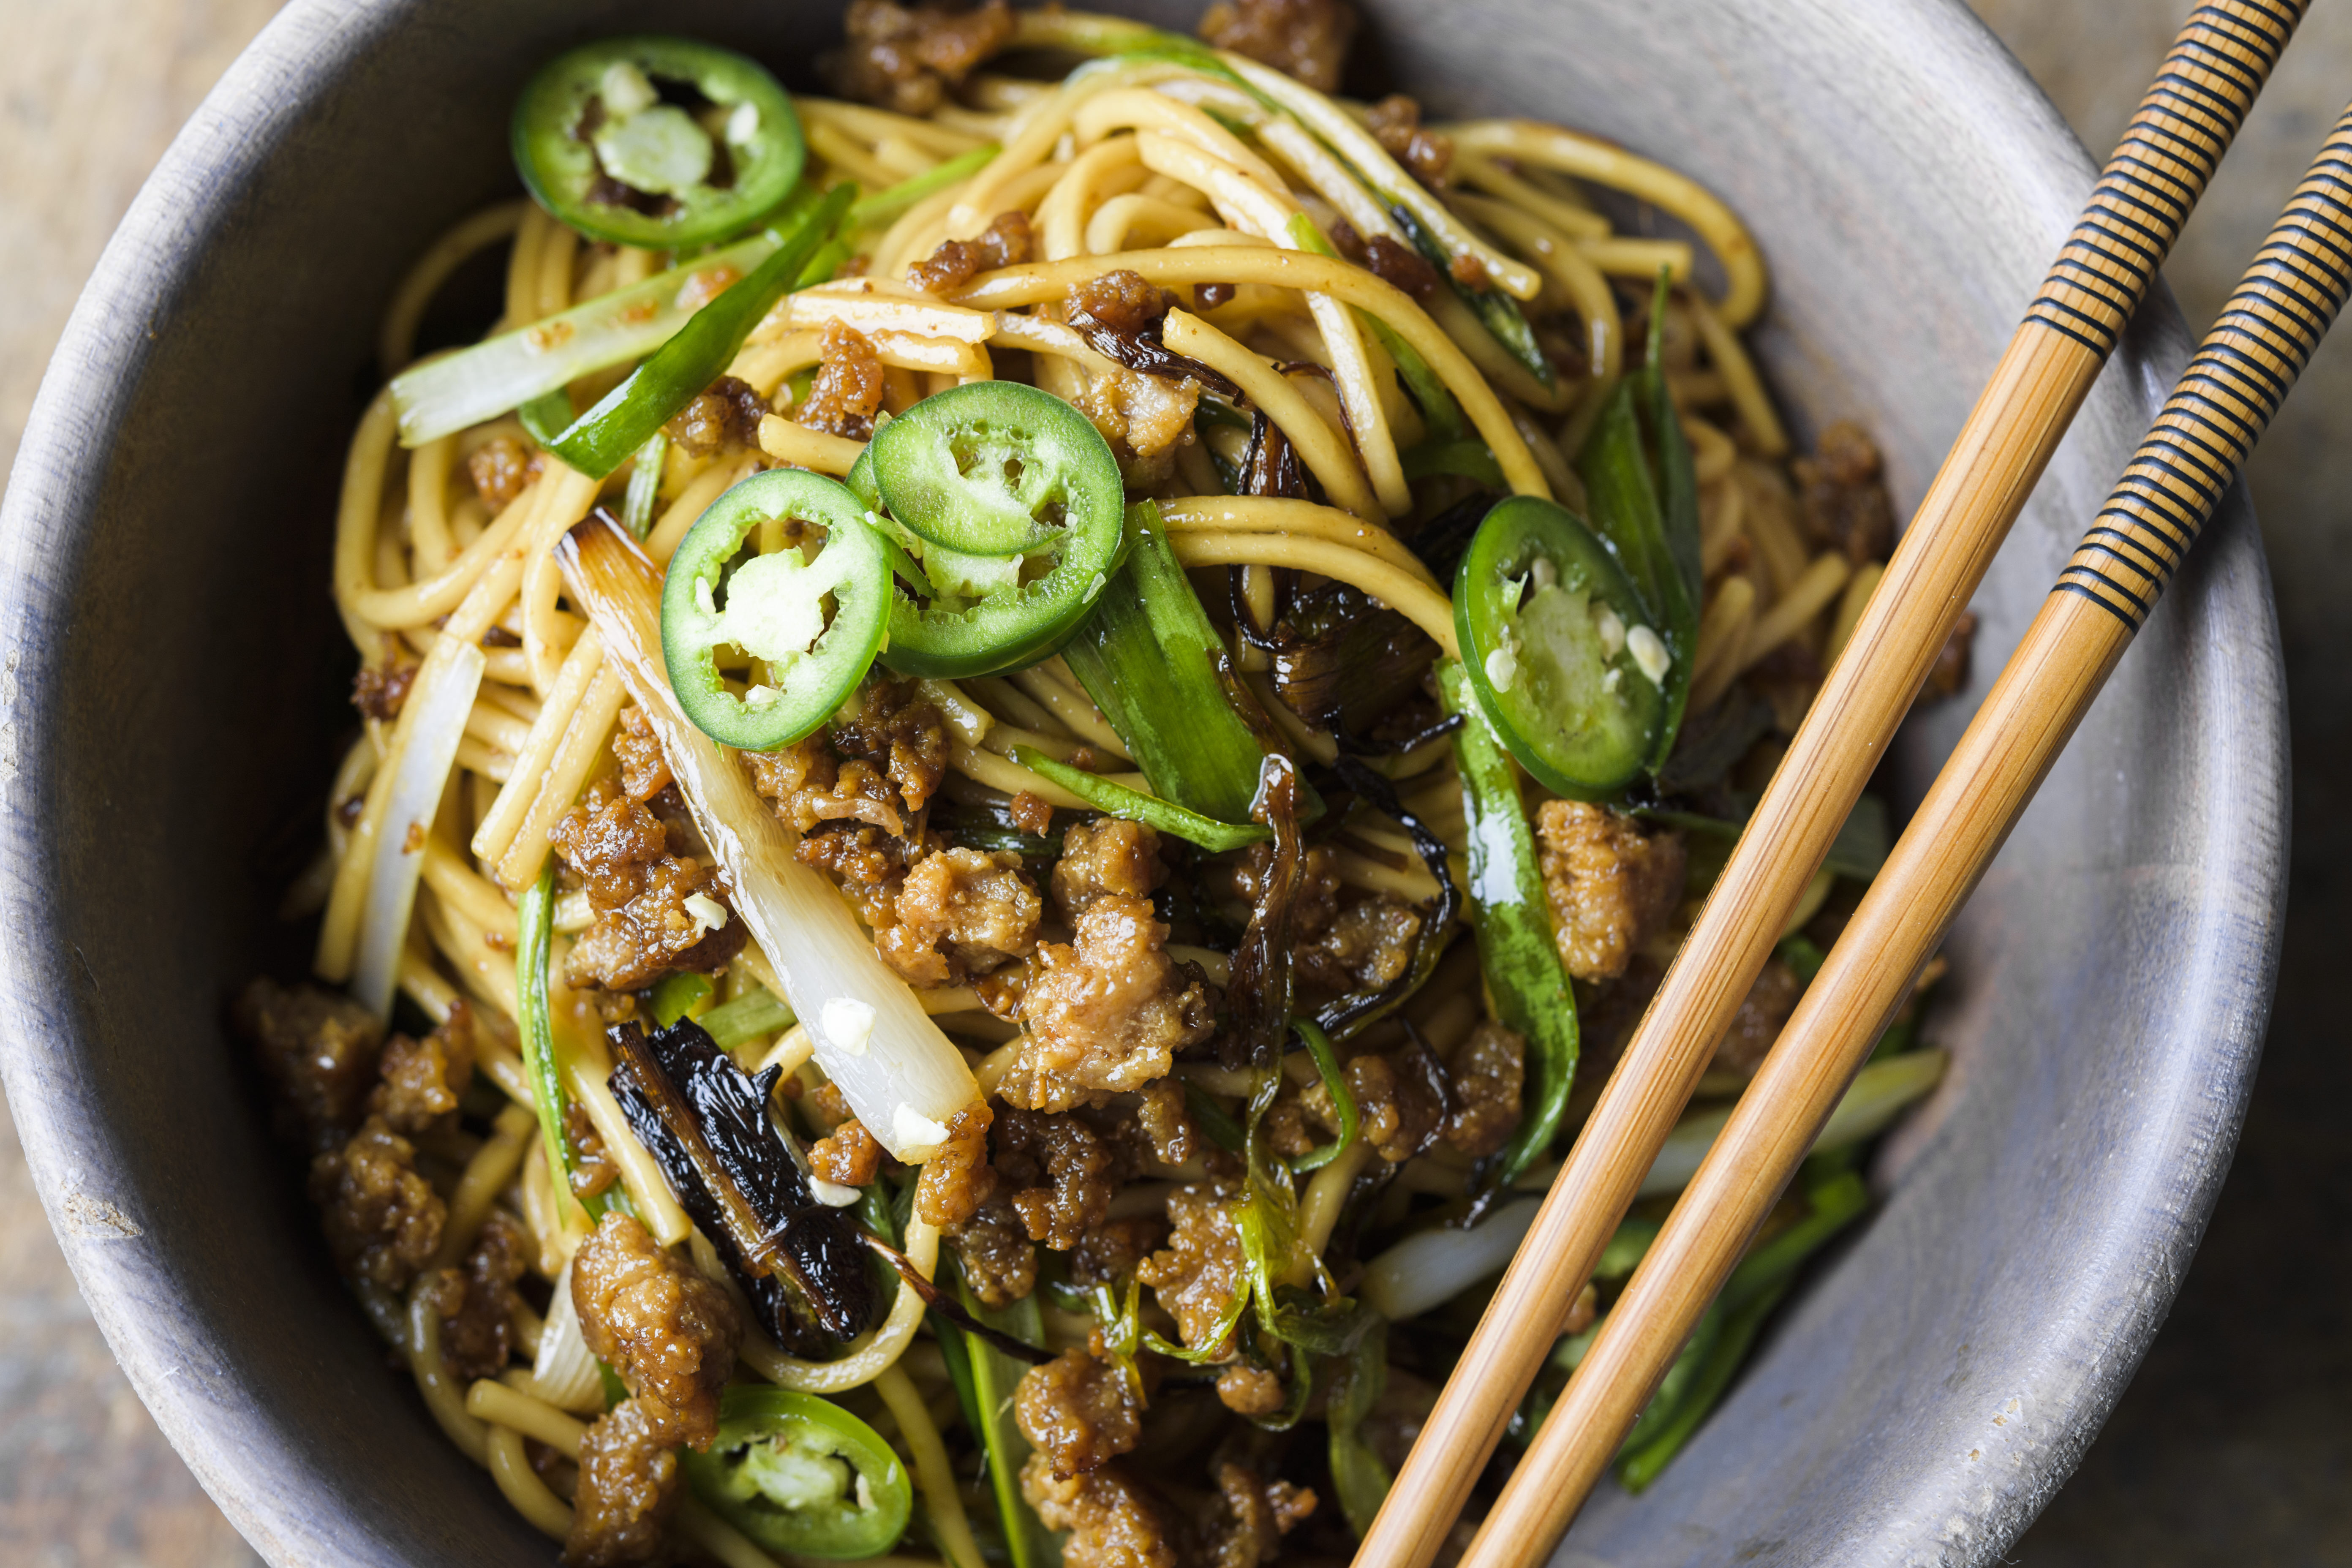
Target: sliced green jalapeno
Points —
{"points": [[657, 142], [810, 614], [963, 612], [1559, 650], [996, 468], [800, 1474]]}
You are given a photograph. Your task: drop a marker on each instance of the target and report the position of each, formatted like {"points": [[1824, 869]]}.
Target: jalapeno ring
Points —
{"points": [[657, 142], [773, 608], [801, 1475]]}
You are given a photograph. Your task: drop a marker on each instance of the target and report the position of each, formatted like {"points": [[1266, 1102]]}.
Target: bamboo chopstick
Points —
{"points": [[2260, 343], [2221, 60]]}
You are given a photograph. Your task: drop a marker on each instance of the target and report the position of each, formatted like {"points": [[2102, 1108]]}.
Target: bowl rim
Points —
{"points": [[67, 446]]}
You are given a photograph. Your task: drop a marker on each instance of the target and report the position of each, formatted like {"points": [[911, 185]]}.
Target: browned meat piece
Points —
{"points": [[655, 902], [1144, 417], [1106, 1013], [382, 1220], [1160, 1116], [999, 1260], [668, 1331], [644, 771], [1124, 301], [1948, 676], [318, 1049], [1487, 1072], [592, 1169], [1756, 1024], [1258, 1513], [1846, 502], [1610, 884], [501, 468], [378, 691], [1062, 1176], [848, 1156], [1426, 155], [1111, 1251], [1307, 38], [1109, 857], [848, 385], [1113, 1522], [1078, 1412], [1400, 266], [477, 1304], [420, 1081], [828, 1106], [870, 864], [1249, 1390], [1031, 813], [961, 912], [1197, 1274], [900, 731], [1398, 1105], [1367, 946], [1005, 242], [956, 1179], [628, 1490], [906, 58], [726, 412]]}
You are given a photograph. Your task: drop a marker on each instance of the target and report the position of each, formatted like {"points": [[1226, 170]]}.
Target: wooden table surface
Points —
{"points": [[2234, 1444]]}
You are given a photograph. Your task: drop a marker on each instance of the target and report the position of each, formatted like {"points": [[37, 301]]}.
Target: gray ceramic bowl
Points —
{"points": [[165, 703]]}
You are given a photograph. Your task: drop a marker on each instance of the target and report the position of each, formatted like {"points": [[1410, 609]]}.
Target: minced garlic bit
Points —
{"points": [[848, 1023], [1503, 664], [1649, 651], [833, 1194], [916, 1131], [708, 913]]}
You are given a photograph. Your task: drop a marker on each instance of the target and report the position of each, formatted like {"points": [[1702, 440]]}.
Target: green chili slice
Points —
{"points": [[800, 1474], [997, 467], [1335, 1080], [960, 612], [1512, 921], [1118, 800], [773, 607], [621, 422], [657, 142], [1557, 646], [535, 922]]}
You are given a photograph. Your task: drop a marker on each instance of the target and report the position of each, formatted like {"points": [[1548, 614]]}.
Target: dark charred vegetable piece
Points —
{"points": [[1269, 464], [657, 142], [705, 1122], [1343, 661], [766, 1472], [535, 922], [1350, 746], [1513, 923], [621, 422], [813, 612], [1345, 1016], [1143, 352], [1257, 992], [1156, 669], [1118, 800]]}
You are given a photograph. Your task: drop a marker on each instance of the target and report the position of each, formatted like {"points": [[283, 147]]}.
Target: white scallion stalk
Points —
{"points": [[448, 393], [442, 705], [565, 1372], [872, 1038], [1424, 1270]]}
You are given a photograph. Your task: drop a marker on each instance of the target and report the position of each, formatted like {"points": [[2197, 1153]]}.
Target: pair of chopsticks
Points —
{"points": [[2225, 399]]}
